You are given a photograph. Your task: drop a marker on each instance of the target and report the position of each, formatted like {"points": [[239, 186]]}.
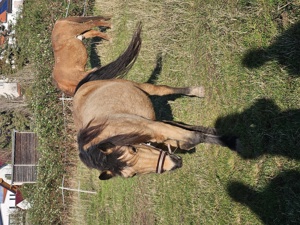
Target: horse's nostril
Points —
{"points": [[177, 160], [178, 157], [133, 175], [179, 163]]}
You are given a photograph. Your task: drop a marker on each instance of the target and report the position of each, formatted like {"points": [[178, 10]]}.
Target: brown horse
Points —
{"points": [[70, 53], [118, 128]]}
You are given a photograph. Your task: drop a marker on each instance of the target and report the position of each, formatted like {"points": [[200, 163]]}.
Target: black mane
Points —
{"points": [[95, 157]]}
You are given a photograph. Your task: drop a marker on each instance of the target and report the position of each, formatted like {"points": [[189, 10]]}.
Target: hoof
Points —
{"points": [[197, 91]]}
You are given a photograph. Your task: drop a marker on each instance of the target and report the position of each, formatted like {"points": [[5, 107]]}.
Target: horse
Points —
{"points": [[118, 133], [70, 53]]}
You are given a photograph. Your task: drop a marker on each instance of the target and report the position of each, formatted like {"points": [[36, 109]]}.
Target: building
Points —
{"points": [[24, 157], [10, 89], [23, 169], [9, 10], [11, 197]]}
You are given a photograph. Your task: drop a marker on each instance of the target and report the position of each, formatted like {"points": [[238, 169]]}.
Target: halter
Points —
{"points": [[161, 158], [160, 162]]}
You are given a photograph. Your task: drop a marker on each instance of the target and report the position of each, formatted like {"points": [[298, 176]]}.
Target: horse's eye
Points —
{"points": [[134, 149], [133, 175]]}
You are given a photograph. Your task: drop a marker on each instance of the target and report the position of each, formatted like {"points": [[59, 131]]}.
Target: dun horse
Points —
{"points": [[69, 51], [118, 128]]}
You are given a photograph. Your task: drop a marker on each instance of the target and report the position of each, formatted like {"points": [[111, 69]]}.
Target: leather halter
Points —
{"points": [[160, 162], [161, 158]]}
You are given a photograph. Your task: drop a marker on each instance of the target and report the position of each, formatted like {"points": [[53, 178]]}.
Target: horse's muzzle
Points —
{"points": [[177, 161], [161, 159]]}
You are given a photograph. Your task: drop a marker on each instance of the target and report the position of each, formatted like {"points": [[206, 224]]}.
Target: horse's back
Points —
{"points": [[70, 57], [105, 98]]}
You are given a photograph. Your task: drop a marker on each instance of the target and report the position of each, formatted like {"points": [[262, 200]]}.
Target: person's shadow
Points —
{"points": [[285, 50], [264, 129], [278, 203]]}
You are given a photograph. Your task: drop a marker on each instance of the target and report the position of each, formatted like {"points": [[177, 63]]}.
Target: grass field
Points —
{"points": [[246, 54]]}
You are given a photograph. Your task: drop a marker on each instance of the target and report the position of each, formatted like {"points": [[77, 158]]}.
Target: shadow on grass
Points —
{"points": [[278, 203], [264, 129], [285, 50], [93, 42], [94, 57], [161, 106]]}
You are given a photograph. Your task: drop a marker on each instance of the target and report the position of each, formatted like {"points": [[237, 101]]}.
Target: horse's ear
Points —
{"points": [[105, 175], [105, 146]]}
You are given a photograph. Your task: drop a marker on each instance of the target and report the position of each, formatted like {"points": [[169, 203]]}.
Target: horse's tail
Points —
{"points": [[121, 65]]}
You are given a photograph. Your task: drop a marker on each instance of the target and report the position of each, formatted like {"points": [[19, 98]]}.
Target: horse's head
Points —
{"points": [[123, 155]]}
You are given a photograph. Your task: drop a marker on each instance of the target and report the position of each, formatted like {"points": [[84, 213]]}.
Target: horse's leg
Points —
{"points": [[206, 130], [186, 139], [79, 25], [179, 137], [161, 90], [81, 28], [95, 33], [160, 132]]}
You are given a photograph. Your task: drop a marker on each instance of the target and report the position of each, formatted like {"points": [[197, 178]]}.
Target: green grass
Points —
{"points": [[243, 52], [33, 34], [209, 43]]}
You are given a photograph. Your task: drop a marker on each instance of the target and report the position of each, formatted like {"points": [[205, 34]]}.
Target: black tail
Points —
{"points": [[121, 65]]}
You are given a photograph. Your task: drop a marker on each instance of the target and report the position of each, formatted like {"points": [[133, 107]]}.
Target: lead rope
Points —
{"points": [[170, 150]]}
